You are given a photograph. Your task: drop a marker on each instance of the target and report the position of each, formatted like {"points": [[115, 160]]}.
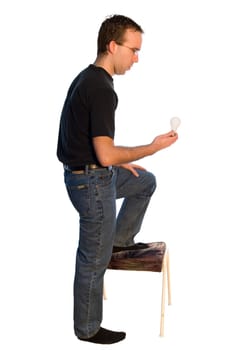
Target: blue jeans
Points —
{"points": [[94, 195]]}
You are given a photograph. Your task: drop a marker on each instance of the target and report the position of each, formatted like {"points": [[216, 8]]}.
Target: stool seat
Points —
{"points": [[144, 259]]}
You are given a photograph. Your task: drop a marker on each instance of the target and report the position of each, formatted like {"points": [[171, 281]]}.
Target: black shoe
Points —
{"points": [[104, 336], [131, 247]]}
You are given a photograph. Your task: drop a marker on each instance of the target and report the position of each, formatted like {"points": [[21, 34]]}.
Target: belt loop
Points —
{"points": [[86, 169]]}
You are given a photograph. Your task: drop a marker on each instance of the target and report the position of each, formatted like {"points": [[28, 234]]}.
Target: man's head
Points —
{"points": [[119, 40], [114, 29]]}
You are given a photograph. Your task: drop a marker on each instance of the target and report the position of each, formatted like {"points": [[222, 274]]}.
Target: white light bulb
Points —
{"points": [[175, 123]]}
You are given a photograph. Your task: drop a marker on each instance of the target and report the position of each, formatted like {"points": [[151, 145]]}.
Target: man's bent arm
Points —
{"points": [[109, 154]]}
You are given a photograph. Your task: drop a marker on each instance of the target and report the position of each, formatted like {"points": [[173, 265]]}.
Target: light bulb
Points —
{"points": [[175, 123]]}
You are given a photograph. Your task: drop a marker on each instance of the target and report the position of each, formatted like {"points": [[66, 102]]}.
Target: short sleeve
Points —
{"points": [[102, 114]]}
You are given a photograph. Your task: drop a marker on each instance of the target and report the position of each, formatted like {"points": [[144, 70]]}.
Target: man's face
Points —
{"points": [[126, 54]]}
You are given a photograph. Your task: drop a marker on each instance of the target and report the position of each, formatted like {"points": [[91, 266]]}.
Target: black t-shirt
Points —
{"points": [[88, 111]]}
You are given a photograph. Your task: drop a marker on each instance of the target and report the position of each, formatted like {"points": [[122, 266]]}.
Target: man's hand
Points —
{"points": [[164, 140], [132, 167]]}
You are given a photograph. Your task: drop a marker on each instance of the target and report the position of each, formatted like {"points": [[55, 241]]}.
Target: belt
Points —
{"points": [[84, 169]]}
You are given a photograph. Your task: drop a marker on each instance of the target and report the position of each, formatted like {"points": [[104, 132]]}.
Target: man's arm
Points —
{"points": [[109, 154]]}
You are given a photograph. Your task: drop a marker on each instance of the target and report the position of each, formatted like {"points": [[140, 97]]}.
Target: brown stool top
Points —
{"points": [[146, 259]]}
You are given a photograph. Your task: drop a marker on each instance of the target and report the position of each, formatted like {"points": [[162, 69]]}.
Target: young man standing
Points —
{"points": [[97, 172]]}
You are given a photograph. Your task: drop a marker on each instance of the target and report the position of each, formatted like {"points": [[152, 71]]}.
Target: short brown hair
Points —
{"points": [[113, 28]]}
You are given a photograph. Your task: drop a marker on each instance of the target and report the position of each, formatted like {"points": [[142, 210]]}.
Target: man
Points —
{"points": [[97, 172]]}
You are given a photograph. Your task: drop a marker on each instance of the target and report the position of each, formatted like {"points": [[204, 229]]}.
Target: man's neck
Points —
{"points": [[104, 63]]}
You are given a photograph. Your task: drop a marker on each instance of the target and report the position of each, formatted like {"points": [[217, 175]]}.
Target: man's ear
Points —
{"points": [[112, 46]]}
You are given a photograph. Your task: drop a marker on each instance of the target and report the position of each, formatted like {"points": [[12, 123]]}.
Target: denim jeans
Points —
{"points": [[94, 195]]}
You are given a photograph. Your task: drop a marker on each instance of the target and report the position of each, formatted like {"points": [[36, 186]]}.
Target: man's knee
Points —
{"points": [[152, 182], [149, 183]]}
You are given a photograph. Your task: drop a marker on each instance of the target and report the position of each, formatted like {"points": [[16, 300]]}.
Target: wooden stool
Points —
{"points": [[155, 257]]}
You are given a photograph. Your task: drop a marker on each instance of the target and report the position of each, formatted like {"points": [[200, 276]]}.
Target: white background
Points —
{"points": [[185, 69]]}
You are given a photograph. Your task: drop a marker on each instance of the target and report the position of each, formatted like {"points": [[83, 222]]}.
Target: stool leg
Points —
{"points": [[104, 292], [168, 279], [164, 268]]}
